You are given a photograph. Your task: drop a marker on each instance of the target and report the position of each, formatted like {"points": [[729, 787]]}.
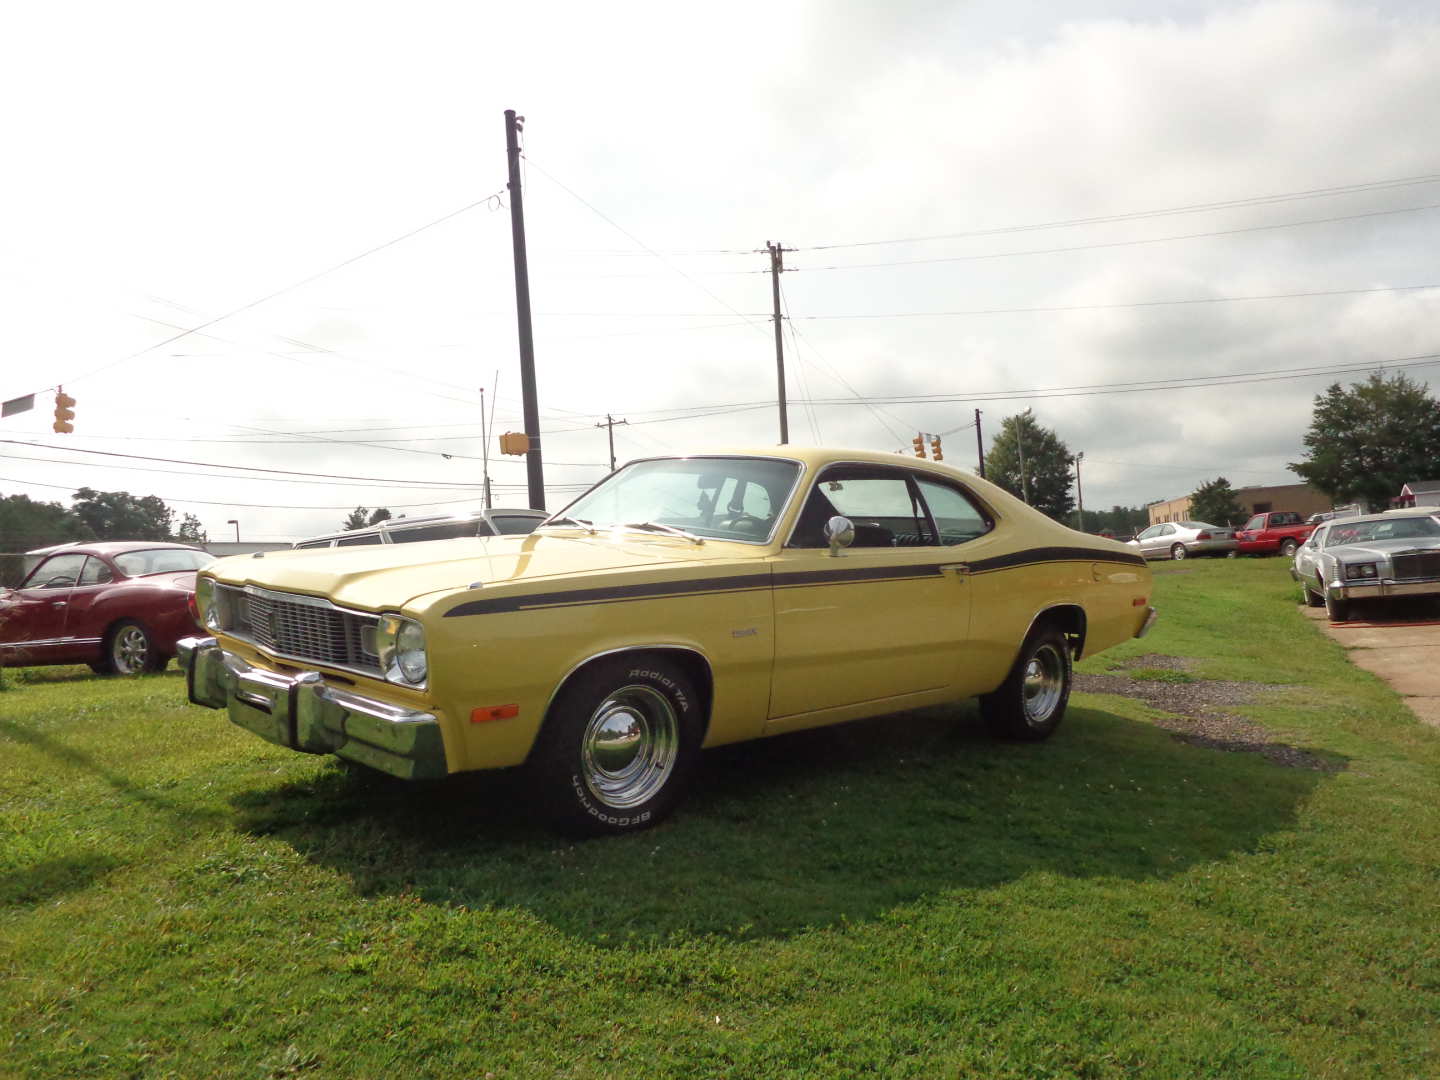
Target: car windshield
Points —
{"points": [[161, 561], [726, 498], [1362, 532]]}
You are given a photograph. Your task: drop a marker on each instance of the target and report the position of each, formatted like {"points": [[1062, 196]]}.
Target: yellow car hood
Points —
{"points": [[390, 576]]}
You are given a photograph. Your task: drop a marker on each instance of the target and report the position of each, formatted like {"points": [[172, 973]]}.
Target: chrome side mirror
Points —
{"points": [[839, 533]]}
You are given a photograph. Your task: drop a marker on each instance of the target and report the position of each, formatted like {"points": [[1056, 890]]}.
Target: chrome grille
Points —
{"points": [[299, 627], [1422, 564]]}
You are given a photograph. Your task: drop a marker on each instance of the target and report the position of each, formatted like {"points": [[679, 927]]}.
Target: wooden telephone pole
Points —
{"points": [[534, 468], [609, 425]]}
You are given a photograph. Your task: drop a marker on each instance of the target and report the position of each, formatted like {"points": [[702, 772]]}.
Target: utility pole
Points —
{"points": [[485, 444], [609, 424], [1024, 477], [1079, 492], [979, 444], [777, 266], [534, 468]]}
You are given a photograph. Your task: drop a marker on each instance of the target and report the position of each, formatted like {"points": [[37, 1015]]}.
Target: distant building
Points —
{"points": [[1420, 493], [1301, 498]]}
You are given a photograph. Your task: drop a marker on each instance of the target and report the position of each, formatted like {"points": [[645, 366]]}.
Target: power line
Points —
{"points": [[1192, 208], [492, 199], [1122, 243]]}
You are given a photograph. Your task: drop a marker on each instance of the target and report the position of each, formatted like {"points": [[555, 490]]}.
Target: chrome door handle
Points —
{"points": [[57, 603], [959, 569]]}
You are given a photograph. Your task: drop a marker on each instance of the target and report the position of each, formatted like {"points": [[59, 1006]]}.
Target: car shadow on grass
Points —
{"points": [[805, 830]]}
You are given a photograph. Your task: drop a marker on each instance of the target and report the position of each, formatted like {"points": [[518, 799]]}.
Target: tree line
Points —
{"points": [[27, 523]]}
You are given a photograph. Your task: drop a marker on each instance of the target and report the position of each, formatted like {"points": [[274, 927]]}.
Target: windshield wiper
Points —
{"points": [[588, 526], [668, 530]]}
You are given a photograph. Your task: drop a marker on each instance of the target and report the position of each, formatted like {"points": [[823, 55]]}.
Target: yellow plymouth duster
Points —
{"points": [[681, 603]]}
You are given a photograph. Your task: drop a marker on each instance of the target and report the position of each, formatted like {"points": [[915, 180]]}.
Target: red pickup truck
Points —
{"points": [[1266, 534]]}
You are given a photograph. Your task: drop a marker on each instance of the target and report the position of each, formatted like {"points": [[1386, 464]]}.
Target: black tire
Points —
{"points": [[618, 746], [1287, 547], [1312, 598], [1337, 610], [1030, 703], [1178, 552], [129, 649]]}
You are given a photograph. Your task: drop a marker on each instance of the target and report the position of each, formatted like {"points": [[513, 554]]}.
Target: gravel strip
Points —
{"points": [[1193, 711]]}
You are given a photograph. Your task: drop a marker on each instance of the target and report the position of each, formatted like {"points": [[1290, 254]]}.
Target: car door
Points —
{"points": [[83, 625], [34, 619], [884, 618], [1156, 539]]}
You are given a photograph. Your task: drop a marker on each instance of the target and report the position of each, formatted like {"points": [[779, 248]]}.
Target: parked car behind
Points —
{"points": [[1182, 539], [441, 527], [1279, 532], [117, 606], [1396, 553], [683, 602]]}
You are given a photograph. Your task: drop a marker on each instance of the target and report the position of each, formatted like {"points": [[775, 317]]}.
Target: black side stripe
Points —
{"points": [[789, 579]]}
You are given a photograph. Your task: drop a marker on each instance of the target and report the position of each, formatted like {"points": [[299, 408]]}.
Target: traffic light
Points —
{"points": [[515, 442], [919, 442], [935, 448], [64, 413]]}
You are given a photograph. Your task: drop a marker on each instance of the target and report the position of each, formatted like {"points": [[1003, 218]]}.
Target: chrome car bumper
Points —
{"points": [[1376, 589], [302, 713]]}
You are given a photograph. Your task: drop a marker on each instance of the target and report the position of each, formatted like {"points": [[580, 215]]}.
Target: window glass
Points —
{"points": [[358, 540], [161, 561], [483, 528], [56, 572], [885, 510], [443, 530], [957, 518], [1364, 532], [694, 494], [1256, 522], [515, 525], [1153, 530], [95, 572], [314, 544]]}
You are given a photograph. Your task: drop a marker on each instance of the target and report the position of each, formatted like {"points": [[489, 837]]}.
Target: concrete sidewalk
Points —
{"points": [[1400, 644]]}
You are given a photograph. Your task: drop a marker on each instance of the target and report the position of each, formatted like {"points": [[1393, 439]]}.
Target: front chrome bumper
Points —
{"points": [[302, 713], [1355, 590]]}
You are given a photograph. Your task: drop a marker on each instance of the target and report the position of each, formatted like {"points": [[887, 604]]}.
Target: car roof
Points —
{"points": [[110, 547], [1384, 515]]}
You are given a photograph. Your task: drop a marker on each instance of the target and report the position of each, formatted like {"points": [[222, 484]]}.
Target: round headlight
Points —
{"points": [[410, 652]]}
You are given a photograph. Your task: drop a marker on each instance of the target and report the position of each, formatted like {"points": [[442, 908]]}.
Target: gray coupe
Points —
{"points": [[1396, 553]]}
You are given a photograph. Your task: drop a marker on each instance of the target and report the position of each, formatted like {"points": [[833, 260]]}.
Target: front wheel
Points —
{"points": [[1030, 703], [1336, 608], [618, 746], [1177, 552], [1311, 597]]}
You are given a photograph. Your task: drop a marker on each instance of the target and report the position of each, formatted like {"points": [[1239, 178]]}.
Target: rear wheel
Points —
{"points": [[1178, 552], [1287, 547], [130, 650], [618, 746], [1030, 703]]}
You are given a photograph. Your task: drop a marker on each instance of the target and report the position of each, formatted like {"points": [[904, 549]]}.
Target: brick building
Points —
{"points": [[1301, 498]]}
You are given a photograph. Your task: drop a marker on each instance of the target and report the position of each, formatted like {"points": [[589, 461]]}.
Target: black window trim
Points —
{"points": [[912, 478]]}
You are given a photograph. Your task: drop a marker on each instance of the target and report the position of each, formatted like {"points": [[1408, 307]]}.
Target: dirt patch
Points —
{"points": [[1194, 711]]}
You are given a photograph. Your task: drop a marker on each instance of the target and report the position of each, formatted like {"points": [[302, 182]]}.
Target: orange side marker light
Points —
{"points": [[487, 713], [1139, 601]]}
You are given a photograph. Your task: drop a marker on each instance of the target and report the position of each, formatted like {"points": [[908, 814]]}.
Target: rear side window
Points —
{"points": [[956, 516], [445, 530], [359, 539], [95, 573], [314, 544], [513, 525]]}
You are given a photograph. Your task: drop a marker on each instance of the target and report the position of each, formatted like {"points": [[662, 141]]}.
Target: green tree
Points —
{"points": [[1046, 478], [1214, 502], [1366, 442], [191, 531], [26, 524], [118, 515], [362, 516]]}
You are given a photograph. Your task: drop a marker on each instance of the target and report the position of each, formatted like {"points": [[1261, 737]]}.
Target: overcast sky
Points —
{"points": [[169, 164]]}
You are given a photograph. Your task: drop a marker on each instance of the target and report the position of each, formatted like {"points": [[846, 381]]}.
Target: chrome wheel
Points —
{"points": [[1178, 551], [129, 650], [630, 746], [1043, 684]]}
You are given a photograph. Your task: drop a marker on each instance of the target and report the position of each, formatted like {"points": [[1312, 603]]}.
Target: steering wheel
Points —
{"points": [[743, 522]]}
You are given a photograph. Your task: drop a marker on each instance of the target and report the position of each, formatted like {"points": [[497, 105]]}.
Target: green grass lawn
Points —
{"points": [[898, 898]]}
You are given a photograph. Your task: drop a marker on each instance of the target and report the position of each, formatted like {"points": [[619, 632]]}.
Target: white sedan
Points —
{"points": [[1182, 539]]}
